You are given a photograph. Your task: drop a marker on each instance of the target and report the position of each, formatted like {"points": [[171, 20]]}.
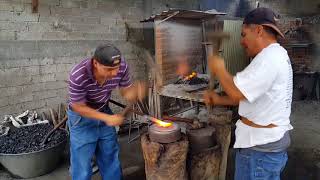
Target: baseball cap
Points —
{"points": [[107, 55], [263, 16]]}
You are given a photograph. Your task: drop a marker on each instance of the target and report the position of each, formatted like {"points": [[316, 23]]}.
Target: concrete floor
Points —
{"points": [[130, 156], [304, 152]]}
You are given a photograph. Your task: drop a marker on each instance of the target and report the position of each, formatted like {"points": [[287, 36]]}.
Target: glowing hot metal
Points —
{"points": [[161, 123]]}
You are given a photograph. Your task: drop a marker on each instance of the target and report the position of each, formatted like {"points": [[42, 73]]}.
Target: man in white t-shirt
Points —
{"points": [[263, 91]]}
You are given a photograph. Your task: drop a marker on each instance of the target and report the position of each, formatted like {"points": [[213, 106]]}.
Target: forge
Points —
{"points": [[164, 133], [165, 161]]}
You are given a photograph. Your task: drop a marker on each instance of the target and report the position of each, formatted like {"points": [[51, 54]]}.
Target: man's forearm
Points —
{"points": [[129, 93], [226, 81], [88, 112], [135, 92], [226, 101]]}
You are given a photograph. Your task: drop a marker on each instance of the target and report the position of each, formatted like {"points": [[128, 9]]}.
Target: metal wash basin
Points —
{"points": [[34, 164]]}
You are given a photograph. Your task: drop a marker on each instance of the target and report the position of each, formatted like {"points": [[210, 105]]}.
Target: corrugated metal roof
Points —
{"points": [[182, 13]]}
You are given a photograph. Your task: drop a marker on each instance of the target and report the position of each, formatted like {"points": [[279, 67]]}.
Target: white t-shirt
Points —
{"points": [[267, 85]]}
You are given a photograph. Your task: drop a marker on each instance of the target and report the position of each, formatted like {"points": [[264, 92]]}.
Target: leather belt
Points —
{"points": [[252, 124]]}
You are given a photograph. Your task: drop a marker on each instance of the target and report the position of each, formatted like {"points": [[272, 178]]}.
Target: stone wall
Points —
{"points": [[37, 50]]}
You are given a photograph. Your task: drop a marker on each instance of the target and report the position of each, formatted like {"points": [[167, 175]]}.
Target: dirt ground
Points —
{"points": [[304, 152]]}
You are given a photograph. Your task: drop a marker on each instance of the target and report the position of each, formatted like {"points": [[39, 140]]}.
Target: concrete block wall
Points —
{"points": [[37, 50]]}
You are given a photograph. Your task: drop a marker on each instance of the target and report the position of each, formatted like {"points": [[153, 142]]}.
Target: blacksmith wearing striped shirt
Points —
{"points": [[90, 120]]}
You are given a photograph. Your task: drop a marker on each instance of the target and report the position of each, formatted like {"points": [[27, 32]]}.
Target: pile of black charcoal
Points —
{"points": [[28, 139]]}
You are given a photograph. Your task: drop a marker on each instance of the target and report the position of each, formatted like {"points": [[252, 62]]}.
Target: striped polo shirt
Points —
{"points": [[84, 88]]}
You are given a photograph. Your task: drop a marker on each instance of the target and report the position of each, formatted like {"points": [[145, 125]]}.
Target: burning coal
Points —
{"points": [[161, 123]]}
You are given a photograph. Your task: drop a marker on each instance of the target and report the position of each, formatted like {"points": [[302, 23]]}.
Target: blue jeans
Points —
{"points": [[256, 165], [89, 137]]}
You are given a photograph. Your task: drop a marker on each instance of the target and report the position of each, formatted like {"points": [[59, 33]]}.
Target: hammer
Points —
{"points": [[216, 37]]}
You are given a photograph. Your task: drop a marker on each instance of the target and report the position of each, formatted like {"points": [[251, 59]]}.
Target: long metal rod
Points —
{"points": [[170, 118], [186, 120], [117, 103], [146, 106], [204, 61]]}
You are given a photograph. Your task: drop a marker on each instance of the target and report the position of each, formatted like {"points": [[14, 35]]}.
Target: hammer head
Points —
{"points": [[213, 36], [216, 38]]}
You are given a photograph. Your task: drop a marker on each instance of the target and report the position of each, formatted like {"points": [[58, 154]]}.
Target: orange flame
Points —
{"points": [[190, 76], [161, 123]]}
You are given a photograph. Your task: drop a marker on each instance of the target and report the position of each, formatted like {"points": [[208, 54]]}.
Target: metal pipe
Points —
{"points": [[186, 120]]}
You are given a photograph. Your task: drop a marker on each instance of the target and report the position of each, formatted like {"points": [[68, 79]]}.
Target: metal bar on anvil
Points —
{"points": [[186, 120], [142, 114]]}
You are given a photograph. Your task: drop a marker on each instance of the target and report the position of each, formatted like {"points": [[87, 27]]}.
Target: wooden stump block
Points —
{"points": [[165, 161], [205, 165], [221, 120]]}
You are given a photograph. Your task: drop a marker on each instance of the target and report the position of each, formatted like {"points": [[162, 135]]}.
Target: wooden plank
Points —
{"points": [[53, 117]]}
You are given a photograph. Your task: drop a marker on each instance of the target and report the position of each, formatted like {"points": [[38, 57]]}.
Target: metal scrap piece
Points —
{"points": [[4, 130], [14, 122]]}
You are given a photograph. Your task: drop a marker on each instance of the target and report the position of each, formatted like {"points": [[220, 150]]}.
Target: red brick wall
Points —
{"points": [[297, 42], [177, 39]]}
